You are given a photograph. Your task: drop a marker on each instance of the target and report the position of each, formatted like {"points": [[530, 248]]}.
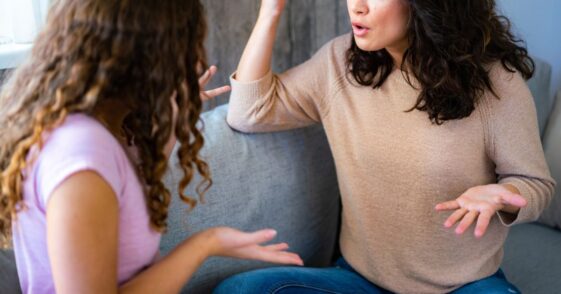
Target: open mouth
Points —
{"points": [[359, 30]]}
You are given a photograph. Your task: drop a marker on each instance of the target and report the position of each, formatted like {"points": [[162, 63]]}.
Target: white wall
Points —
{"points": [[538, 22]]}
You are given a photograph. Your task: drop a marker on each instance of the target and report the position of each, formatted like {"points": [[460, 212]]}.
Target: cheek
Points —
{"points": [[389, 26]]}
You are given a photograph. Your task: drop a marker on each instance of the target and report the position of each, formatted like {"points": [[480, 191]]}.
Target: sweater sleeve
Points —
{"points": [[296, 98], [515, 145]]}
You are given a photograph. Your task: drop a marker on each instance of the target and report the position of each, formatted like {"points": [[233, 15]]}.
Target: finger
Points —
{"points": [[448, 205], [455, 217], [482, 223], [216, 92], [207, 76], [514, 199], [258, 237], [468, 219], [276, 247], [280, 257]]}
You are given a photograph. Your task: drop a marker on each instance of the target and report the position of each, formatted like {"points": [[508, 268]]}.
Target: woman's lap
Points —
{"points": [[286, 280], [340, 279]]}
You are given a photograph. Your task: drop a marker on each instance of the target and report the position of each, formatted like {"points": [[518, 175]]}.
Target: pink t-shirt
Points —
{"points": [[81, 143]]}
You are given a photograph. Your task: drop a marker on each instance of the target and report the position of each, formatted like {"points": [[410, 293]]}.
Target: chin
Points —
{"points": [[366, 45]]}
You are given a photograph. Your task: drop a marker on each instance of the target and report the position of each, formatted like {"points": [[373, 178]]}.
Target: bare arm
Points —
{"points": [[83, 211], [256, 59]]}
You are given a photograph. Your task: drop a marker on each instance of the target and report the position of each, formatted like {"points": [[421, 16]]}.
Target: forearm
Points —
{"points": [[171, 273], [256, 59]]}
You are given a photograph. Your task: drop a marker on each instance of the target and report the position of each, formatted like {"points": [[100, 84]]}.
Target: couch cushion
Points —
{"points": [[552, 146], [9, 283], [284, 181], [532, 258], [539, 86]]}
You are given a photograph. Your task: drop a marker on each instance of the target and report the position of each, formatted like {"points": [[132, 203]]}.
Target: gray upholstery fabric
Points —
{"points": [[552, 146], [284, 181], [532, 259], [539, 85], [9, 283]]}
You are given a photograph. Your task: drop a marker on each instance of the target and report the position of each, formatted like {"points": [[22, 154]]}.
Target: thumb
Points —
{"points": [[514, 199]]}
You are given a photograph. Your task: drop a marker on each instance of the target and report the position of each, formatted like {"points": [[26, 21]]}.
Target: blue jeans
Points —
{"points": [[340, 279]]}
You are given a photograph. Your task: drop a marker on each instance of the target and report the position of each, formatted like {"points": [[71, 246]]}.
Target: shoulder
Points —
{"points": [[80, 143], [338, 45], [79, 131], [335, 50], [81, 138], [331, 59], [511, 92]]}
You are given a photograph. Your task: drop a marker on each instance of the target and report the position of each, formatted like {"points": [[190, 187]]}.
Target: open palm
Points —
{"points": [[230, 242], [479, 204]]}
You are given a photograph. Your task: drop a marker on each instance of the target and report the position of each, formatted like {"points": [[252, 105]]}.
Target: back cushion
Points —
{"points": [[552, 145], [285, 181], [9, 283], [539, 86]]}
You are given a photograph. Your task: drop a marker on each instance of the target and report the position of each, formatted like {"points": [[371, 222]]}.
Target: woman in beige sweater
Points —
{"points": [[431, 126]]}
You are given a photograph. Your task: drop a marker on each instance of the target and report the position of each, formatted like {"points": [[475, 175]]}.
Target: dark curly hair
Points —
{"points": [[452, 46], [140, 53]]}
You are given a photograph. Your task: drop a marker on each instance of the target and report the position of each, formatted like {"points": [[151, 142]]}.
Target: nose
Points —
{"points": [[358, 7]]}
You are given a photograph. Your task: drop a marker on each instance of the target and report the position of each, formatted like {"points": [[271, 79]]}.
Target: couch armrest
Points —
{"points": [[552, 147]]}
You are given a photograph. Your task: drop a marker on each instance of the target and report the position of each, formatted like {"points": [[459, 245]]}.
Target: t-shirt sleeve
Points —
{"points": [[64, 156]]}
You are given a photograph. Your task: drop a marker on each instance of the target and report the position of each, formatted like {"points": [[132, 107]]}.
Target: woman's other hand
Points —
{"points": [[480, 204]]}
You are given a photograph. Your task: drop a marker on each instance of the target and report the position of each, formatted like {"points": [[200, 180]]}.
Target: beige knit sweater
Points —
{"points": [[394, 166]]}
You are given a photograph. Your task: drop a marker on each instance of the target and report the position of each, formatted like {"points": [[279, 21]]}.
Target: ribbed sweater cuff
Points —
{"points": [[526, 214], [251, 90]]}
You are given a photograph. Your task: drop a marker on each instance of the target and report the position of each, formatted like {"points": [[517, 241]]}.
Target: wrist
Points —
{"points": [[507, 207], [511, 209], [202, 243]]}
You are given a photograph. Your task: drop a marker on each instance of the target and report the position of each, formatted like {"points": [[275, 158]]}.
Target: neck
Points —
{"points": [[397, 51]]}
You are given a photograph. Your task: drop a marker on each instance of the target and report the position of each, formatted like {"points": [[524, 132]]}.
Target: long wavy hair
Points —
{"points": [[452, 46], [140, 53]]}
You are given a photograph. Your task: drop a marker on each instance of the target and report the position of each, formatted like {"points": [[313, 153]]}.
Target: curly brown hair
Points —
{"points": [[140, 53], [452, 46]]}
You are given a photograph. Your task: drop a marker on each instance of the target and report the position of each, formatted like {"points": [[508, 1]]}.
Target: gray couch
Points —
{"points": [[287, 181]]}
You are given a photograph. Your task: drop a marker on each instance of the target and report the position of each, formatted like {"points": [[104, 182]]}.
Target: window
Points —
{"points": [[20, 20]]}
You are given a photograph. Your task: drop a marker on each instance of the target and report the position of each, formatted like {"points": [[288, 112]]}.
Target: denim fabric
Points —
{"points": [[340, 279]]}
